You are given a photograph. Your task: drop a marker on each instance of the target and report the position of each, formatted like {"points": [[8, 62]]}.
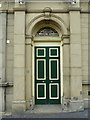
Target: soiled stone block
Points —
{"points": [[85, 67], [19, 71], [18, 107], [85, 47], [86, 103], [19, 61], [2, 99], [85, 41], [10, 29], [84, 30], [84, 19], [76, 60], [18, 83], [75, 38], [84, 25], [9, 49], [1, 60], [10, 16], [19, 23], [75, 49], [18, 49], [74, 18], [10, 22], [10, 57], [66, 83], [10, 36], [66, 54], [9, 74], [85, 72], [76, 71], [76, 105], [9, 98], [76, 86], [19, 39], [84, 35], [85, 77], [9, 91], [66, 71]]}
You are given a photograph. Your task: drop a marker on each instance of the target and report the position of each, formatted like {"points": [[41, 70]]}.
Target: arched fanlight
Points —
{"points": [[47, 31]]}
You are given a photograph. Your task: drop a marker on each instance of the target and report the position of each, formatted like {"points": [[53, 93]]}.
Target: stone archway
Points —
{"points": [[48, 16], [30, 34]]}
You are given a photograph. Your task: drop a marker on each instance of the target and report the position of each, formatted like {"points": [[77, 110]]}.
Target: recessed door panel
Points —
{"points": [[41, 91], [41, 69], [53, 69]]}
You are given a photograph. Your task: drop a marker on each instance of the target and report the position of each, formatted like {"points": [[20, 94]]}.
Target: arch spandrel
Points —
{"points": [[58, 22]]}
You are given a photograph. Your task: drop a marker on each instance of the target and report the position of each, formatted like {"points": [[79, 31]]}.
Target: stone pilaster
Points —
{"points": [[19, 103], [29, 89], [75, 53], [2, 59], [66, 66]]}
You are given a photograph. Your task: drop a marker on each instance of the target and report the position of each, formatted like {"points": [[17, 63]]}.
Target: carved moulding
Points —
{"points": [[47, 15]]}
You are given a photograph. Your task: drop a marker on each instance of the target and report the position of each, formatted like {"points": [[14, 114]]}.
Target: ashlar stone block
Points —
{"points": [[18, 83], [18, 49], [75, 49], [19, 39], [19, 61], [19, 22], [76, 71], [75, 38], [76, 60], [76, 86], [74, 18]]}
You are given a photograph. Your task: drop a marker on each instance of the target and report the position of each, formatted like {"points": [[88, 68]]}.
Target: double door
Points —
{"points": [[47, 75]]}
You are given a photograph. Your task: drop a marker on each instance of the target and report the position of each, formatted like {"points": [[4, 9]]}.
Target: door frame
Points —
{"points": [[33, 66]]}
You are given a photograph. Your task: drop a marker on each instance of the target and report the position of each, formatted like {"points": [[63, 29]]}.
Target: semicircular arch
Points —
{"points": [[58, 22]]}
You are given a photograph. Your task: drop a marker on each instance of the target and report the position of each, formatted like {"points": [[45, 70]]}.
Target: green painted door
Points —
{"points": [[47, 75]]}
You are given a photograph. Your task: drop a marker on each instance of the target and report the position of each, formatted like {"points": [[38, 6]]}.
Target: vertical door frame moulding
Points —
{"points": [[61, 65]]}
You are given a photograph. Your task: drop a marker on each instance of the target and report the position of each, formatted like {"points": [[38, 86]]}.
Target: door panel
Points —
{"points": [[47, 75], [54, 90], [53, 69], [41, 91], [41, 69]]}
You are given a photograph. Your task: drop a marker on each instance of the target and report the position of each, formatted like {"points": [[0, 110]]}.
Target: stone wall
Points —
{"points": [[9, 60], [85, 53], [19, 72], [2, 59]]}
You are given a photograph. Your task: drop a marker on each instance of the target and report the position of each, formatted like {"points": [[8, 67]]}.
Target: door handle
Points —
{"points": [[51, 81], [43, 81]]}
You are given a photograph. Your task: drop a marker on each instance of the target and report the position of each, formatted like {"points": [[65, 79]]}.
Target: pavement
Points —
{"points": [[29, 114]]}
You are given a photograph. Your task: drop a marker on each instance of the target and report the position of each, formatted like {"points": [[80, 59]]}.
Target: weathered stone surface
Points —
{"points": [[2, 59], [76, 105], [19, 62], [19, 57]]}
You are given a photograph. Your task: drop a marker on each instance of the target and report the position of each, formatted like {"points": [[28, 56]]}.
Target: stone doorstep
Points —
{"points": [[2, 113], [72, 105], [5, 114], [46, 109]]}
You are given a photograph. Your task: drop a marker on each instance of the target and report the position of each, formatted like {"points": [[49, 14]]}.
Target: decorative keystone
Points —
{"points": [[47, 13], [47, 9]]}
